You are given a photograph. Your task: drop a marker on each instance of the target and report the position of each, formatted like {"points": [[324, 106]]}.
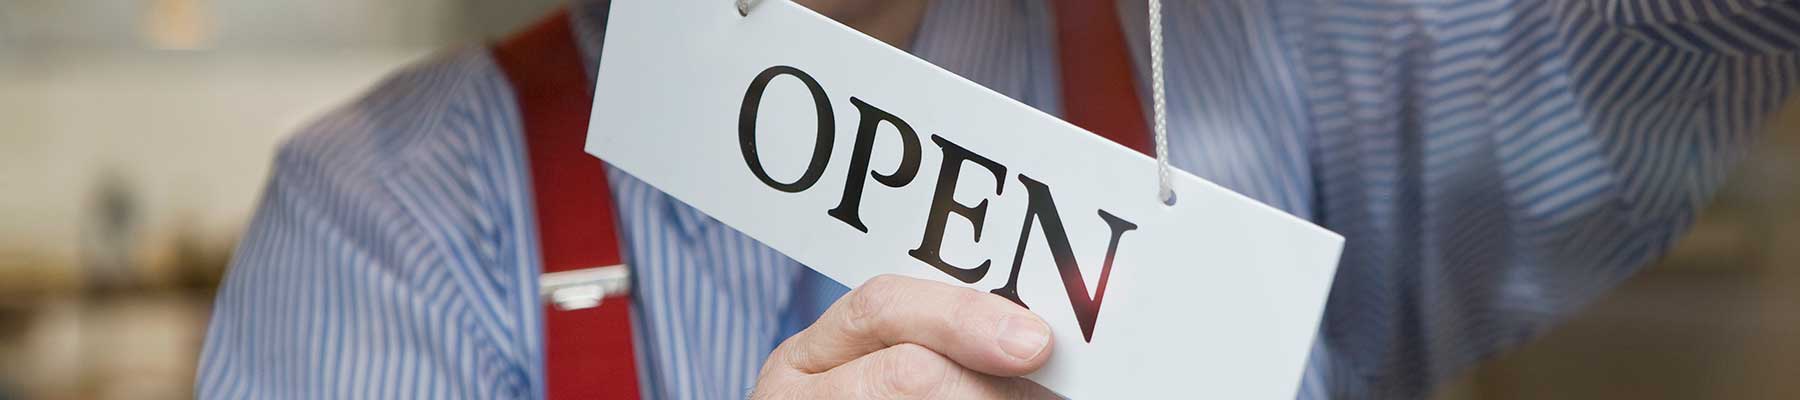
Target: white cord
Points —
{"points": [[1161, 129]]}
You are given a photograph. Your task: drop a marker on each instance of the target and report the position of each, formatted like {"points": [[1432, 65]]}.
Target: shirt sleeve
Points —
{"points": [[383, 260], [1729, 27], [1580, 145], [1666, 97]]}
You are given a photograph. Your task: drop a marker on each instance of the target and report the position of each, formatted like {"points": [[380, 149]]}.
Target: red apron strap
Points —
{"points": [[587, 353]]}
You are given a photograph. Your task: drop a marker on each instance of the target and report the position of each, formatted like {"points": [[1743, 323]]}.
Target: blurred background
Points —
{"points": [[135, 135], [134, 139]]}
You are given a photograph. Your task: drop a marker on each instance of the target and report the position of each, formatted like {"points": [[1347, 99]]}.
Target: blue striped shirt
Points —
{"points": [[1494, 166]]}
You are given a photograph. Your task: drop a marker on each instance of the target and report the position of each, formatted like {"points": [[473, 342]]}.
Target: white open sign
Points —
{"points": [[858, 159]]}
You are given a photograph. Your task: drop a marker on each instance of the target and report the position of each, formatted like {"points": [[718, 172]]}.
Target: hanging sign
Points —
{"points": [[858, 159]]}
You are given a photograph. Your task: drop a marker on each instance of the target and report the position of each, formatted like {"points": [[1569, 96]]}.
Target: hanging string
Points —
{"points": [[1161, 120]]}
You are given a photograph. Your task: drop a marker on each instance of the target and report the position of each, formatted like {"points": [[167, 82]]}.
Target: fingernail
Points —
{"points": [[1023, 338]]}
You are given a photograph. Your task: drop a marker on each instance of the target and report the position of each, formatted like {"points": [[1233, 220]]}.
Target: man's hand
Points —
{"points": [[897, 337]]}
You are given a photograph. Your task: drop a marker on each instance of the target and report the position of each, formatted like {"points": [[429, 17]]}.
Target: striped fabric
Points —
{"points": [[1495, 165]]}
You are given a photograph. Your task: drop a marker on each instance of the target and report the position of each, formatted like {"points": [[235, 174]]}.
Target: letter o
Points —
{"points": [[821, 154]]}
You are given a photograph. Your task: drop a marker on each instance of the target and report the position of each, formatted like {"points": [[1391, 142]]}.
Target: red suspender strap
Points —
{"points": [[588, 352], [1097, 86]]}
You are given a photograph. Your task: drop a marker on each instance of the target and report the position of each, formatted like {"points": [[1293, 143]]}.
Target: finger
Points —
{"points": [[978, 330], [910, 371]]}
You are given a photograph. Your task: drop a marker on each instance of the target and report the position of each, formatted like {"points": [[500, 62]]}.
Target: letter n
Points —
{"points": [[1041, 209]]}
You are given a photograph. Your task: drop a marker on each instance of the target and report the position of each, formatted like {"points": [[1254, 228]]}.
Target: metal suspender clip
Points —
{"points": [[584, 288]]}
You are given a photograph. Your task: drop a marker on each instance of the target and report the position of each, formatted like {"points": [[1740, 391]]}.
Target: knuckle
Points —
{"points": [[967, 299], [786, 355], [964, 303], [773, 382], [765, 389], [784, 392], [914, 372], [867, 303]]}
